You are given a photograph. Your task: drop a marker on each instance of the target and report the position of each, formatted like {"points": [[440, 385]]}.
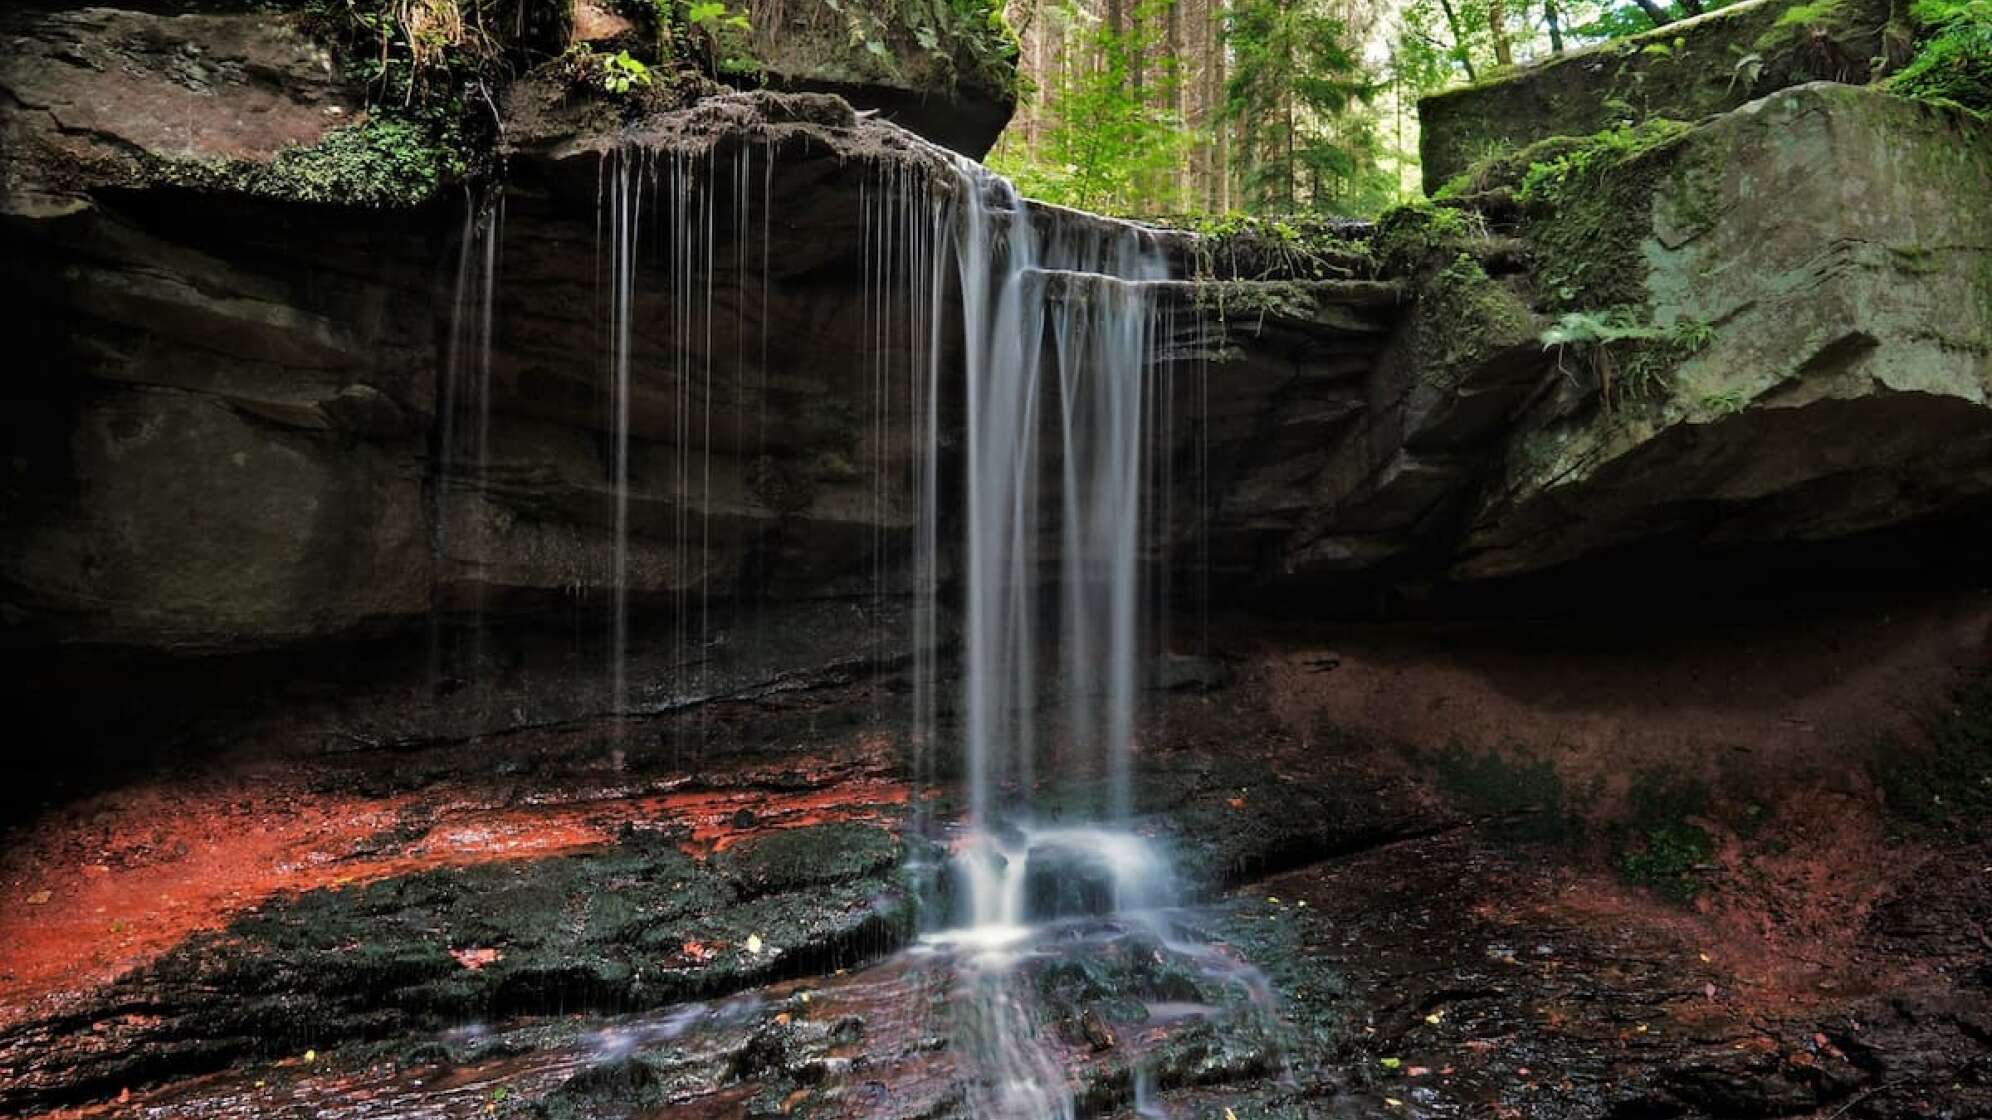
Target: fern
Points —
{"points": [[1954, 62]]}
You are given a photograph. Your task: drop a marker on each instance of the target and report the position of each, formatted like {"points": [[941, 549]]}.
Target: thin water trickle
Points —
{"points": [[463, 459]]}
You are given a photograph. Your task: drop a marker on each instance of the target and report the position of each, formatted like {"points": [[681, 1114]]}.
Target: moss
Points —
{"points": [[1295, 246], [1523, 799], [1590, 211], [1667, 859], [384, 161], [1464, 316], [1414, 238], [936, 47], [1800, 22], [1661, 847], [1687, 72], [795, 858], [1948, 782]]}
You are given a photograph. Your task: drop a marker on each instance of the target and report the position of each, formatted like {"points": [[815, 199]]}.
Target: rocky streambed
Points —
{"points": [[1374, 925]]}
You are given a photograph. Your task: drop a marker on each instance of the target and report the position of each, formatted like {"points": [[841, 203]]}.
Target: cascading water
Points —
{"points": [[1063, 480], [1084, 299]]}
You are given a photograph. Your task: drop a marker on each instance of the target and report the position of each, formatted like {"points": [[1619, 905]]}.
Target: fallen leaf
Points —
{"points": [[474, 959], [1393, 1102], [754, 943], [1416, 1071], [1230, 1115], [1390, 1063], [1436, 1017], [1236, 803], [310, 1056], [39, 898]]}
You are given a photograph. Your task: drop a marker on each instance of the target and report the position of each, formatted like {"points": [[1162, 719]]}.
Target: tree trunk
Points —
{"points": [[1215, 80], [1654, 12], [1550, 17], [1497, 24], [1459, 41], [1175, 79]]}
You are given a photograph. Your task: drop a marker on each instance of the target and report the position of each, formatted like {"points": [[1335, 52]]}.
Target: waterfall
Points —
{"points": [[1061, 503], [1059, 331]]}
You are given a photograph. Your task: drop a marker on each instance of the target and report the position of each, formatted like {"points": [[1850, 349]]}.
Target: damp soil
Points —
{"points": [[1377, 926]]}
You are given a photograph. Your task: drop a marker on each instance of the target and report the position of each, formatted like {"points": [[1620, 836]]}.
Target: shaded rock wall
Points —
{"points": [[229, 432]]}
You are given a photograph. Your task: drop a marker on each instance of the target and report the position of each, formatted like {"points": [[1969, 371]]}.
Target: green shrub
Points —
{"points": [[1954, 60]]}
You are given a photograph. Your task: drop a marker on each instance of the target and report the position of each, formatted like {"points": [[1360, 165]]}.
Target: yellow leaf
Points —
{"points": [[310, 1056], [754, 943]]}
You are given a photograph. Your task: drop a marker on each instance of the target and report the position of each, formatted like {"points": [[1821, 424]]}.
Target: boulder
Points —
{"points": [[1686, 71], [1821, 264]]}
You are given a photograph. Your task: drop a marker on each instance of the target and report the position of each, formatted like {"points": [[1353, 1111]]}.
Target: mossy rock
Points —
{"points": [[1685, 71], [795, 858]]}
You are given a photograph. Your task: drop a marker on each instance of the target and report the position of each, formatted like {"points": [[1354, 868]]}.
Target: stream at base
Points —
{"points": [[1077, 1015]]}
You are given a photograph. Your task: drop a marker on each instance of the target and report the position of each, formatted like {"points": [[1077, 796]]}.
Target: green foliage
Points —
{"points": [[429, 67], [1443, 43], [1107, 145], [1667, 860], [1580, 166], [1665, 851], [1293, 246], [1411, 238], [619, 73], [385, 161], [1801, 22], [1953, 62], [1631, 359], [1295, 93], [724, 36], [411, 53]]}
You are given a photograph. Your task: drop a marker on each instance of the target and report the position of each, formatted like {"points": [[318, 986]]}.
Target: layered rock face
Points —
{"points": [[1689, 70], [244, 419]]}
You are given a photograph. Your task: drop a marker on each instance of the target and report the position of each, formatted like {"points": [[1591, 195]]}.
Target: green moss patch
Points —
{"points": [[1661, 848], [1947, 783], [386, 160], [1521, 799]]}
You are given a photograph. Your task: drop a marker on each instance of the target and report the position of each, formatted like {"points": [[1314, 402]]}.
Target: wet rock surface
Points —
{"points": [[1375, 928]]}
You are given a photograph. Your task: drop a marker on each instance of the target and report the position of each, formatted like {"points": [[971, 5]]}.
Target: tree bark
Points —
{"points": [[1216, 79], [1654, 12], [1550, 17], [1175, 80], [1497, 24], [1459, 41]]}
